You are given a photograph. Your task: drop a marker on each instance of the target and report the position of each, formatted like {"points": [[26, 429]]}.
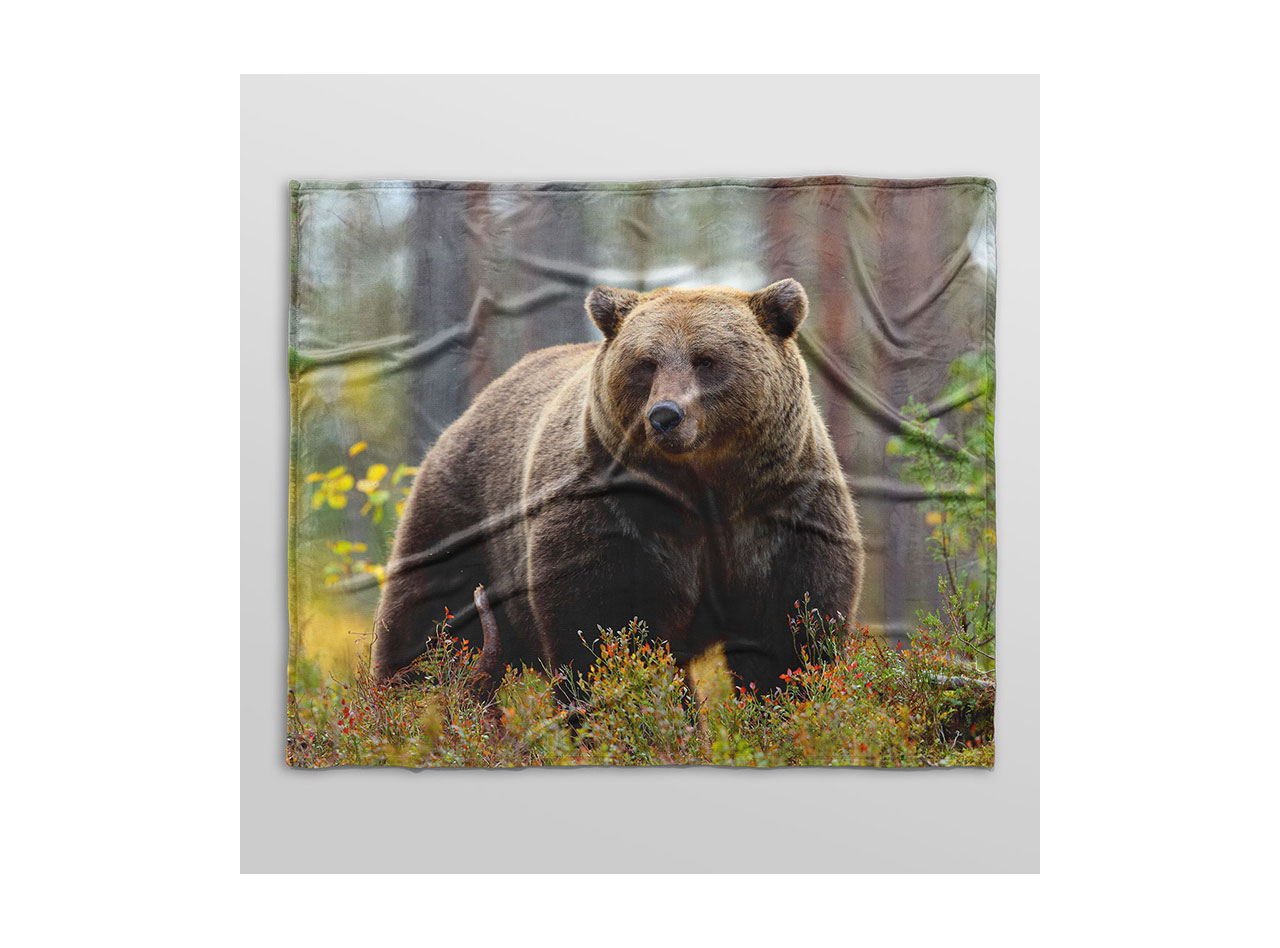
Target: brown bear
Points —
{"points": [[678, 472]]}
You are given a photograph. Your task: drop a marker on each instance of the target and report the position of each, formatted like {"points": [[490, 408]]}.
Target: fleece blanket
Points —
{"points": [[679, 472]]}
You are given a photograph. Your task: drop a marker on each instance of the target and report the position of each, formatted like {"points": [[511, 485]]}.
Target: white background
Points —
{"points": [[1159, 327]]}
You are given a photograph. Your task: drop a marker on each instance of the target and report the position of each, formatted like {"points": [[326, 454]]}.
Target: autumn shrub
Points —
{"points": [[434, 721], [361, 722], [851, 701], [635, 701], [536, 726]]}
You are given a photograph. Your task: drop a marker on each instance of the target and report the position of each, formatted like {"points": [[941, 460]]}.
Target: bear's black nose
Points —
{"points": [[664, 416]]}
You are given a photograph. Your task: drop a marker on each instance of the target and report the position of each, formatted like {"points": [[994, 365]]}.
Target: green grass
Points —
{"points": [[853, 701]]}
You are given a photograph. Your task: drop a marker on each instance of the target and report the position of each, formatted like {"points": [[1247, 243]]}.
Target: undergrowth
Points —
{"points": [[851, 701]]}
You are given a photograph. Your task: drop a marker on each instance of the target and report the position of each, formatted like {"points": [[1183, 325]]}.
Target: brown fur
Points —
{"points": [[555, 491]]}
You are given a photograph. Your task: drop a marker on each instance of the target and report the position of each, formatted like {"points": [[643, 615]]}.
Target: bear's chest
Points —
{"points": [[742, 553], [701, 552]]}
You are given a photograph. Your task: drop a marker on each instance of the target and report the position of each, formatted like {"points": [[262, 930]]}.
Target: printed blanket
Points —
{"points": [[681, 472]]}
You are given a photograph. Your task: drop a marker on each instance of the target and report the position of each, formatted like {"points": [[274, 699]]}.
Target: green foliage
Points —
{"points": [[365, 721], [637, 703], [957, 472], [345, 564], [852, 701], [378, 488]]}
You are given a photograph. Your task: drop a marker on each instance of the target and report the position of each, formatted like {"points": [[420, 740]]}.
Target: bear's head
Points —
{"points": [[689, 376]]}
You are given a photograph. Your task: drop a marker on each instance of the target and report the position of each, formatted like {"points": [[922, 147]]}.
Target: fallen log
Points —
{"points": [[956, 682]]}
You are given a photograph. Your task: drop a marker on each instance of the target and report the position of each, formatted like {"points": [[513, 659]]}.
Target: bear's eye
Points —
{"points": [[703, 362], [648, 366]]}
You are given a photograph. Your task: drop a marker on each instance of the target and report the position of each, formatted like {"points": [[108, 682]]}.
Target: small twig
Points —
{"points": [[485, 679], [975, 648]]}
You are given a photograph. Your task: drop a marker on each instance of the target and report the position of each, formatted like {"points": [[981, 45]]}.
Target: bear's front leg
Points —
{"points": [[819, 554], [757, 669], [586, 572]]}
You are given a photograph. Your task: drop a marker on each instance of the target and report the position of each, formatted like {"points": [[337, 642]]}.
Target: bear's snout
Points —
{"points": [[665, 416]]}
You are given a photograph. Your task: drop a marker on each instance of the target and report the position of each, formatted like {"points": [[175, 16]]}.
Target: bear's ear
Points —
{"points": [[781, 307], [608, 306]]}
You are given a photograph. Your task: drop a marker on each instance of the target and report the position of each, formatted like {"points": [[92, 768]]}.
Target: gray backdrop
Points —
{"points": [[464, 128]]}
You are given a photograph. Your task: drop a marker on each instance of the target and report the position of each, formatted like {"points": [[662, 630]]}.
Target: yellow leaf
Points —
{"points": [[400, 508], [366, 486], [377, 472], [337, 501], [346, 482], [317, 500], [359, 547], [358, 447], [331, 579], [336, 472], [312, 478], [933, 518]]}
